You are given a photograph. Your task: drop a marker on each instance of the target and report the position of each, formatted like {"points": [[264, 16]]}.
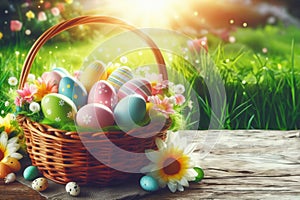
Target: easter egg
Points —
{"points": [[58, 108], [102, 92], [119, 77], [94, 116], [73, 189], [91, 74], [4, 170], [72, 88], [52, 77], [40, 184], [149, 184], [13, 164], [9, 178], [130, 111], [62, 71], [136, 86], [30, 173], [200, 175]]}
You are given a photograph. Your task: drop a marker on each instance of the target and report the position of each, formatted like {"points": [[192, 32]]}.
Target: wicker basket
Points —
{"points": [[60, 155]]}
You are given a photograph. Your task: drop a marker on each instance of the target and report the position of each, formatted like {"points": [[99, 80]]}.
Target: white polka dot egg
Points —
{"points": [[72, 188], [103, 92], [40, 184]]}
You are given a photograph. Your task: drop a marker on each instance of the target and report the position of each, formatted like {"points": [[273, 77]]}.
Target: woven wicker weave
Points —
{"points": [[60, 155]]}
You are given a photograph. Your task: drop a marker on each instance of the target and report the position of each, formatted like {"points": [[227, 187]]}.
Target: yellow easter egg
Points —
{"points": [[91, 74], [4, 170], [13, 164]]}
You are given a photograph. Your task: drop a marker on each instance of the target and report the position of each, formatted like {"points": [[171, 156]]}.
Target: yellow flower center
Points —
{"points": [[172, 166]]}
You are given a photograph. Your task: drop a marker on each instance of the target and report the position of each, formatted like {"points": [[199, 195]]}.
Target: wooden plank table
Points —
{"points": [[242, 165]]}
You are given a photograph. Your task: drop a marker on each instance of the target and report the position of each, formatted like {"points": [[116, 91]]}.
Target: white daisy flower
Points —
{"points": [[34, 107], [6, 103], [31, 77], [173, 163], [12, 81], [179, 89], [9, 147]]}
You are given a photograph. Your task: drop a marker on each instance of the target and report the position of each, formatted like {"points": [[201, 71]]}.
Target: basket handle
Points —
{"points": [[56, 29]]}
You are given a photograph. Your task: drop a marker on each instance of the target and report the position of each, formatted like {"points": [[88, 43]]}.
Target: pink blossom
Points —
{"points": [[158, 87], [164, 106], [180, 99], [19, 101], [27, 93], [77, 74], [42, 16], [55, 11], [198, 44], [47, 5], [15, 25]]}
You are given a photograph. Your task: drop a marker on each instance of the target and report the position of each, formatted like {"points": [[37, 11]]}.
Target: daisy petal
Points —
{"points": [[3, 140], [13, 147], [160, 144], [172, 186], [180, 188], [184, 182], [152, 155], [13, 140], [191, 173], [17, 156]]}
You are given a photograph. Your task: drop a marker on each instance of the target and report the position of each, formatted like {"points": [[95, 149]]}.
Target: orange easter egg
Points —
{"points": [[4, 170], [13, 164]]}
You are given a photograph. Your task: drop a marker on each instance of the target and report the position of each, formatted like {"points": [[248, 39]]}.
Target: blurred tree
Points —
{"points": [[25, 20]]}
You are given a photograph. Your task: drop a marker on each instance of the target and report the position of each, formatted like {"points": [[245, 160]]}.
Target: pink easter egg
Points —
{"points": [[95, 116], [139, 86], [103, 92], [52, 77]]}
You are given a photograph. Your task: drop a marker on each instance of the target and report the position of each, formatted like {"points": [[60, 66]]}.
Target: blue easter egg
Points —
{"points": [[73, 89], [30, 173], [149, 184], [130, 111], [62, 71]]}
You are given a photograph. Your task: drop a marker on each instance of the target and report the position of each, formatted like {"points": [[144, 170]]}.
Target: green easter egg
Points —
{"points": [[200, 175], [30, 173], [58, 108]]}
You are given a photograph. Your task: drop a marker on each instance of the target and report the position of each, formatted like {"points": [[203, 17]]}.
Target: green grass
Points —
{"points": [[262, 89]]}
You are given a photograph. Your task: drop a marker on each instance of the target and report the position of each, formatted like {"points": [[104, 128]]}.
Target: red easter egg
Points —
{"points": [[139, 86]]}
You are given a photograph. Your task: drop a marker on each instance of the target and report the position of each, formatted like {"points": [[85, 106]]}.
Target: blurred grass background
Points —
{"points": [[260, 70]]}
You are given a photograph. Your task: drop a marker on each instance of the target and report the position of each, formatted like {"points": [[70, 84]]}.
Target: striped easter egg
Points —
{"points": [[139, 86], [92, 73], [119, 77]]}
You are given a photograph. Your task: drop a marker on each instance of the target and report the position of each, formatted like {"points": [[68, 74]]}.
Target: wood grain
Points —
{"points": [[247, 165], [242, 165]]}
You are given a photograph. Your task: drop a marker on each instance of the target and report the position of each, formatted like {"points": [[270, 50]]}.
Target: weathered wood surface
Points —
{"points": [[247, 165], [242, 165]]}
